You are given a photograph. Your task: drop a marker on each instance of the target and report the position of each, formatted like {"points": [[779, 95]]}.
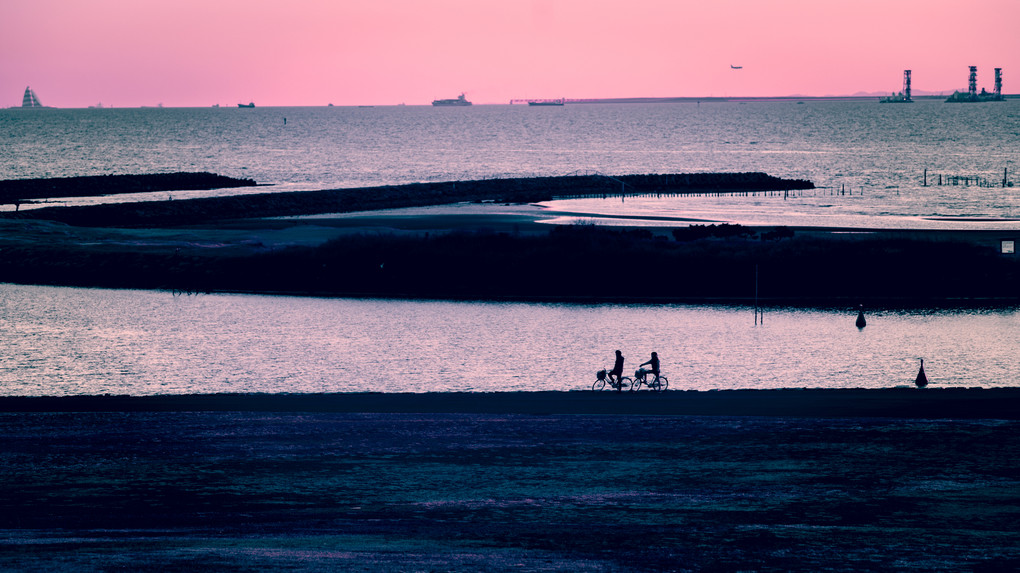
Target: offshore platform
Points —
{"points": [[972, 94], [903, 96]]}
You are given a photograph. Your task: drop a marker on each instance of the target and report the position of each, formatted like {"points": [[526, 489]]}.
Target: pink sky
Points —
{"points": [[77, 53]]}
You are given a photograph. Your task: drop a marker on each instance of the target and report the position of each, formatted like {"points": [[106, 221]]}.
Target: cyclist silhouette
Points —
{"points": [[654, 363], [617, 372]]}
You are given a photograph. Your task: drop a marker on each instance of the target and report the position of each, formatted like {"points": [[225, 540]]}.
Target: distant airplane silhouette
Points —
{"points": [[732, 67]]}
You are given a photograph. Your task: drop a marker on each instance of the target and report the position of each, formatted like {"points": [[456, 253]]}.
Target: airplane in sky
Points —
{"points": [[732, 67]]}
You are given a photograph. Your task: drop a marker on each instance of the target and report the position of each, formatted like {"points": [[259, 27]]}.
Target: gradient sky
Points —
{"points": [[77, 53]]}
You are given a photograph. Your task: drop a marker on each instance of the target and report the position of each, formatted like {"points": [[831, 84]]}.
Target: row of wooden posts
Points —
{"points": [[967, 180]]}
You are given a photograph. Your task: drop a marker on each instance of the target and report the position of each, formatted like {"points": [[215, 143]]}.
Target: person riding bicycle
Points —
{"points": [[654, 363], [617, 372]]}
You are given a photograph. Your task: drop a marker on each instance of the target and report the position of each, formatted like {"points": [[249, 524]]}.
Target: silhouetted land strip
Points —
{"points": [[568, 263], [517, 190], [223, 244], [930, 403], [22, 190]]}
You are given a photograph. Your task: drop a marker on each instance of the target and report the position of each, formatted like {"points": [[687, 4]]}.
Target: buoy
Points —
{"points": [[921, 379], [861, 323]]}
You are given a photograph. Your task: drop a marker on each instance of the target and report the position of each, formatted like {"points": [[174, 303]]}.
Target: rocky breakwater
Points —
{"points": [[516, 190], [16, 191]]}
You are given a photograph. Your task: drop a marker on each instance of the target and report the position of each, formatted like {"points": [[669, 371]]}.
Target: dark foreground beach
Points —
{"points": [[839, 480]]}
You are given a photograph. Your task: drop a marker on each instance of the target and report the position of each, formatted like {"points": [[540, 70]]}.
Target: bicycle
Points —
{"points": [[641, 377], [602, 378]]}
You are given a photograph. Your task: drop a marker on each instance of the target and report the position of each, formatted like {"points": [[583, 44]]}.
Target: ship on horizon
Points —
{"points": [[461, 100], [542, 102]]}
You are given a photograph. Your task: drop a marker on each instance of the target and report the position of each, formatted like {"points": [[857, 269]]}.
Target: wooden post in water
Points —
{"points": [[756, 297], [1004, 179], [925, 184]]}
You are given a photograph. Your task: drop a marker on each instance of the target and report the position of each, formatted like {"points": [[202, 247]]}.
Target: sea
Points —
{"points": [[925, 165]]}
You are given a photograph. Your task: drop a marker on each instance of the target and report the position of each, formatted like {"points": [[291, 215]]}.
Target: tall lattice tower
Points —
{"points": [[998, 83], [972, 83], [906, 85]]}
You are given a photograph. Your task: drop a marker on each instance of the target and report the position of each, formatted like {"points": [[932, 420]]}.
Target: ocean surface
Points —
{"points": [[868, 160]]}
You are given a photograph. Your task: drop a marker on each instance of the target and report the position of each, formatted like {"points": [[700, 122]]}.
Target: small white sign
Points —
{"points": [[1008, 247]]}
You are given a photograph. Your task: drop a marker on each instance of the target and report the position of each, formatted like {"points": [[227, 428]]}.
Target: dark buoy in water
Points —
{"points": [[921, 379], [861, 323]]}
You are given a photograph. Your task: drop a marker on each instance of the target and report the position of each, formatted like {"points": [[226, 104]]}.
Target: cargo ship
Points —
{"points": [[461, 100]]}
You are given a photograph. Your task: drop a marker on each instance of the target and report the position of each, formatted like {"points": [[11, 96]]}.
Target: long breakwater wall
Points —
{"points": [[519, 190]]}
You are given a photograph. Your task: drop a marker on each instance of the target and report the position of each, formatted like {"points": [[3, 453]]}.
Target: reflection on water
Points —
{"points": [[870, 160], [59, 341]]}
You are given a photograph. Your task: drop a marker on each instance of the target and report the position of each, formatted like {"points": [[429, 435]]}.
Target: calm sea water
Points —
{"points": [[867, 158], [60, 341]]}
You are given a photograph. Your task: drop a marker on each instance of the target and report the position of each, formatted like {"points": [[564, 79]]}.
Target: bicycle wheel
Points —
{"points": [[663, 383], [598, 385], [626, 384]]}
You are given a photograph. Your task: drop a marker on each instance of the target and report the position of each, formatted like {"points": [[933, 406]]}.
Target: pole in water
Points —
{"points": [[756, 296], [921, 381]]}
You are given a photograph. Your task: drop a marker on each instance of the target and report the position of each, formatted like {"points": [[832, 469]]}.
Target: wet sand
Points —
{"points": [[257, 235], [899, 402], [898, 479]]}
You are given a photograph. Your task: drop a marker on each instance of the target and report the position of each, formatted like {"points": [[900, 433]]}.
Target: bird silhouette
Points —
{"points": [[921, 379]]}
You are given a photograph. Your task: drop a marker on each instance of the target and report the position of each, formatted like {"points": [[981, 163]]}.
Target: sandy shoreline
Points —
{"points": [[328, 491], [905, 403]]}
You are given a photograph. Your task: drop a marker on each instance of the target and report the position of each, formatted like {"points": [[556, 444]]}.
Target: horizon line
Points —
{"points": [[524, 101]]}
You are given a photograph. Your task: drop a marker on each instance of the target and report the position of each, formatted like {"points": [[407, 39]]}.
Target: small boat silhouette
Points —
{"points": [[921, 379], [861, 323]]}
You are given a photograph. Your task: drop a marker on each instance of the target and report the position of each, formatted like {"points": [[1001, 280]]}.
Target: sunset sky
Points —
{"points": [[77, 53]]}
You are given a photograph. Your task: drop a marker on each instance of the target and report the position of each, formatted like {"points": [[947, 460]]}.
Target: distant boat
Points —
{"points": [[30, 99], [732, 67], [249, 104], [460, 101], [896, 98], [547, 102]]}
